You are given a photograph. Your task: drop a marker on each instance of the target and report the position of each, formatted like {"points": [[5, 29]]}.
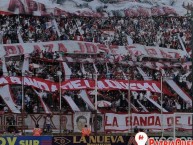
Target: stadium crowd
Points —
{"points": [[153, 31], [47, 69]]}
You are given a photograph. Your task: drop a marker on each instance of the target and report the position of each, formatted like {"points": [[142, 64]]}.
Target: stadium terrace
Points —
{"points": [[109, 66]]}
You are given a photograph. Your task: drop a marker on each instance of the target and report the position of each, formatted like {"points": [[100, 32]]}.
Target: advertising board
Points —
{"points": [[103, 140], [26, 140]]}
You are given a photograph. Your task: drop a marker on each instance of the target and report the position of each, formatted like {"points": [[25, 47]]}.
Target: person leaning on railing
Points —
{"points": [[37, 131], [86, 131]]}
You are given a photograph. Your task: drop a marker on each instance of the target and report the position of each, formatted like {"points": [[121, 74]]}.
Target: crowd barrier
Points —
{"points": [[75, 140]]}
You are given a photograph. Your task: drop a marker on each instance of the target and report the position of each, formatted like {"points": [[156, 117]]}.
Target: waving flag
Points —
{"points": [[169, 10]]}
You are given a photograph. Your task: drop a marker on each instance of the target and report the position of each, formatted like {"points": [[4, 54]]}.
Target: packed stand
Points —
{"points": [[153, 31], [86, 67]]}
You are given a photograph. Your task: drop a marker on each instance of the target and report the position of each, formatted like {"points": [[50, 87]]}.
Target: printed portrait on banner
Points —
{"points": [[80, 120]]}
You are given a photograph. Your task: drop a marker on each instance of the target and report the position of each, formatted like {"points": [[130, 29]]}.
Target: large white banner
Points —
{"points": [[45, 7], [122, 122], [80, 84], [110, 122], [80, 120], [39, 8], [90, 48], [32, 119]]}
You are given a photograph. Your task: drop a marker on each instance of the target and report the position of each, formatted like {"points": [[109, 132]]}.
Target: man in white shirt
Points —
{"points": [[35, 109], [48, 122], [27, 99], [141, 97], [135, 94]]}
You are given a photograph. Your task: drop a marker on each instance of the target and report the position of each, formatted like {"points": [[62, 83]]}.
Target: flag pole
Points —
{"points": [[162, 127], [96, 90], [59, 73], [60, 101], [129, 107], [96, 107], [22, 103]]}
